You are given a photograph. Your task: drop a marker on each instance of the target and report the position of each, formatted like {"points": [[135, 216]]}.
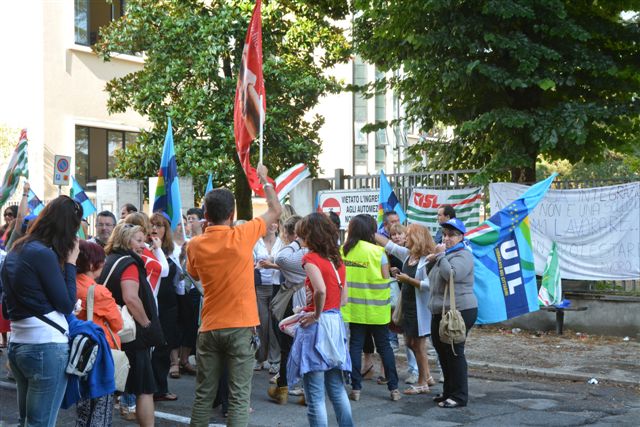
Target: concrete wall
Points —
{"points": [[605, 315]]}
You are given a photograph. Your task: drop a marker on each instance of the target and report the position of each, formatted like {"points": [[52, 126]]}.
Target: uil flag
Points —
{"points": [[504, 269], [18, 166], [388, 200], [34, 203], [248, 109], [551, 288], [167, 197], [78, 194]]}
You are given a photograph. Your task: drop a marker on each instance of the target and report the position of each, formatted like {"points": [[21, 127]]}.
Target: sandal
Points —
{"points": [[382, 380], [431, 381], [417, 389], [368, 373], [450, 403], [187, 368], [174, 371], [167, 397], [440, 398]]}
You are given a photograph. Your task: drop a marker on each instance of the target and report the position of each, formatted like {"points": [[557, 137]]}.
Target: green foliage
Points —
{"points": [[192, 53], [614, 166], [516, 78]]}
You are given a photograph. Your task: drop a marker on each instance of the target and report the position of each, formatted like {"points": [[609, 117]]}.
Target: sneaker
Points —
{"points": [[258, 366], [395, 395], [274, 379], [411, 379], [354, 395], [274, 368]]}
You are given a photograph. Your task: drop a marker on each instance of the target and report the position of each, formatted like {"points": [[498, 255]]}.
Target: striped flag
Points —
{"points": [[78, 194], [34, 203], [18, 166], [167, 197], [424, 204], [288, 179], [551, 289]]}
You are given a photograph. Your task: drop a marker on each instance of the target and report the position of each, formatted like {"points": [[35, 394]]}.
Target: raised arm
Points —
{"points": [[274, 209]]}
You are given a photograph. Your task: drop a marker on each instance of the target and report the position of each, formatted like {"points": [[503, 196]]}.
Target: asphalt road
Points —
{"points": [[496, 400]]}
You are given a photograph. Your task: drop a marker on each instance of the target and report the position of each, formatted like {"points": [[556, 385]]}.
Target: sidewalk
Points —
{"points": [[573, 356]]}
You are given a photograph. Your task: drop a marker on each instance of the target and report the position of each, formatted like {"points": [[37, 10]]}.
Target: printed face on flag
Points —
{"points": [[249, 98]]}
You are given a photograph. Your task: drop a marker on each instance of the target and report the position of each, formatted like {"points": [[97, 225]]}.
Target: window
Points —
{"points": [[360, 141], [90, 15], [95, 152]]}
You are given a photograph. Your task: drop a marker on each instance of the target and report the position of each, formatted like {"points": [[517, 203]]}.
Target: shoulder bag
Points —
{"points": [[452, 328], [128, 332], [120, 359]]}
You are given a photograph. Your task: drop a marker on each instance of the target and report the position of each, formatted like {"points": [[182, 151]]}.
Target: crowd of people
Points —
{"points": [[219, 288]]}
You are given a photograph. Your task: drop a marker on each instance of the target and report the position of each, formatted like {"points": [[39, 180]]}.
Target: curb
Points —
{"points": [[549, 373], [536, 372]]}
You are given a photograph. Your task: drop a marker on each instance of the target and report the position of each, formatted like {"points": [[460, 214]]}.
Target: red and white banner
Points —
{"points": [[247, 107], [290, 178]]}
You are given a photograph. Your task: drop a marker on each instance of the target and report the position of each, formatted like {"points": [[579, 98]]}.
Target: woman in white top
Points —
{"points": [[267, 286], [39, 286]]}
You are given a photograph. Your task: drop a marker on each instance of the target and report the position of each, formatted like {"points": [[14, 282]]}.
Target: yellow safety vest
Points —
{"points": [[369, 300]]}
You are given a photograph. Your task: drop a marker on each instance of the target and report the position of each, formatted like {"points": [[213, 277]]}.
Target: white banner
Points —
{"points": [[597, 230], [349, 203], [425, 202]]}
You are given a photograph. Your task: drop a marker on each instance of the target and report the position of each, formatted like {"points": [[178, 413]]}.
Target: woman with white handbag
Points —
{"points": [[99, 306]]}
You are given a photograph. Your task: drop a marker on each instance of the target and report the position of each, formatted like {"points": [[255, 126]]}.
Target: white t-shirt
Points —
{"points": [[268, 276]]}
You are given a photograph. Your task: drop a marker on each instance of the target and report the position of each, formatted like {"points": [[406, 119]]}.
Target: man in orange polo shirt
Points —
{"points": [[222, 259]]}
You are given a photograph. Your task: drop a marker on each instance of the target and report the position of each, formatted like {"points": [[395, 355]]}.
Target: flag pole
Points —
{"points": [[261, 126]]}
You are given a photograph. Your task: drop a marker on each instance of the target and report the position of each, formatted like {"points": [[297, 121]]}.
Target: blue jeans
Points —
{"points": [[412, 365], [315, 384], [380, 335], [39, 370]]}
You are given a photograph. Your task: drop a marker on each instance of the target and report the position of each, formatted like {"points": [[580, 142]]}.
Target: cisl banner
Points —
{"points": [[424, 204], [348, 203]]}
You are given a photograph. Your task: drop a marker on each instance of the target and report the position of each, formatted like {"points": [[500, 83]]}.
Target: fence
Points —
{"points": [[403, 185]]}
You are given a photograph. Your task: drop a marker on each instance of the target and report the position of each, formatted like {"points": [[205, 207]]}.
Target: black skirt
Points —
{"points": [[140, 379]]}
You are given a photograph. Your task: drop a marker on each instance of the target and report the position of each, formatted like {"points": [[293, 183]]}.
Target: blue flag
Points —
{"points": [[167, 197], [504, 269], [209, 184], [34, 203], [387, 201], [78, 194]]}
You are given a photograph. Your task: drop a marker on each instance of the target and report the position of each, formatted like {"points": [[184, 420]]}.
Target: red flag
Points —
{"points": [[246, 114]]}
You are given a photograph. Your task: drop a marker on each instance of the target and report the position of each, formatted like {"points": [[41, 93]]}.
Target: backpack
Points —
{"points": [[452, 328]]}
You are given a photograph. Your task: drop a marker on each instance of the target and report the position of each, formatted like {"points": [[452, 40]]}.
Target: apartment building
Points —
{"points": [[53, 84]]}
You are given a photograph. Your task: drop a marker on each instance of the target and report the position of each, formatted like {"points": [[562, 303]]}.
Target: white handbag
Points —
{"points": [[128, 332], [120, 359]]}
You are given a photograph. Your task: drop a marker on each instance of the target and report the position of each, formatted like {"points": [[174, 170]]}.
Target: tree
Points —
{"points": [[516, 78], [192, 51]]}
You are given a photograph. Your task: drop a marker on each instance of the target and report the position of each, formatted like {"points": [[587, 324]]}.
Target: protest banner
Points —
{"points": [[424, 204], [597, 230], [348, 203]]}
